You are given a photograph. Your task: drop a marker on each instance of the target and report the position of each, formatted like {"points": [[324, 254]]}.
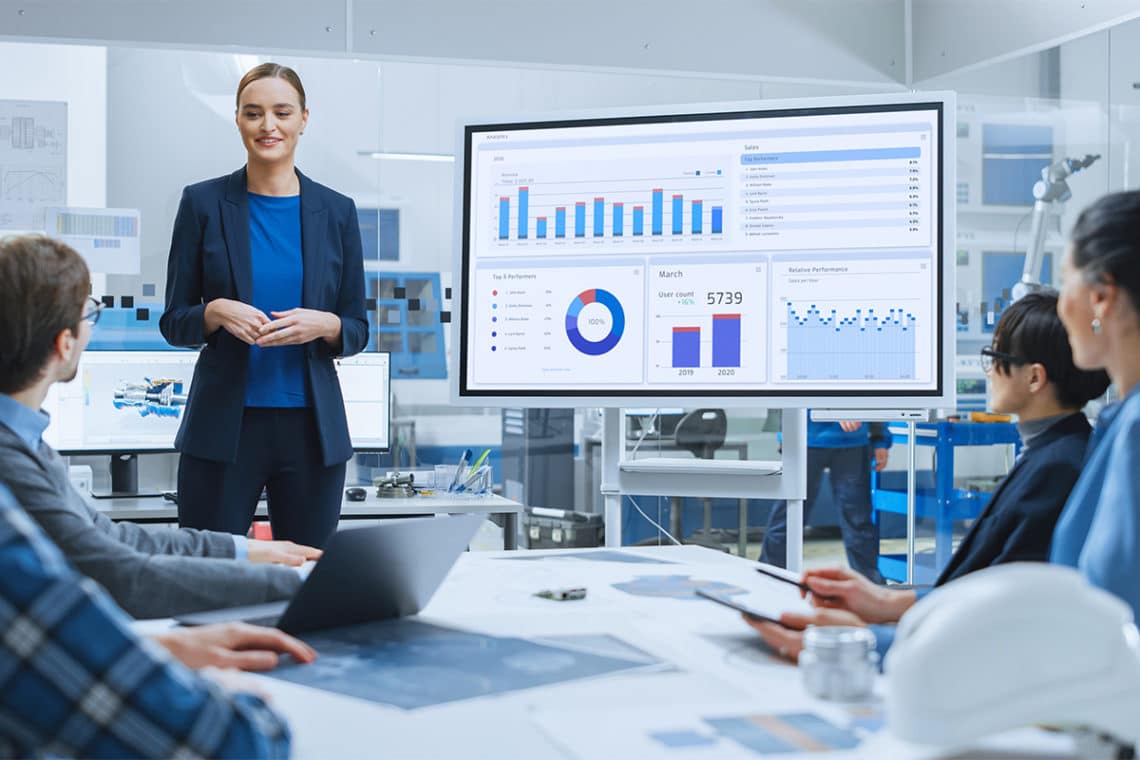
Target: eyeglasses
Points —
{"points": [[94, 309], [991, 355]]}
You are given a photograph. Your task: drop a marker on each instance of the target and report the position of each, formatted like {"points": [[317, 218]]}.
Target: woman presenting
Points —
{"points": [[266, 274]]}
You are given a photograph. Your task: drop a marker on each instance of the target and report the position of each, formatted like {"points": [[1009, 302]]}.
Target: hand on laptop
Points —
{"points": [[233, 645], [281, 552]]}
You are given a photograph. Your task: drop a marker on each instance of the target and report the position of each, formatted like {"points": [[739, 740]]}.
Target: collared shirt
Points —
{"points": [[29, 424], [76, 681]]}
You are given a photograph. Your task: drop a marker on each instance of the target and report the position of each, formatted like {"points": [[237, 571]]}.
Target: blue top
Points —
{"points": [[76, 681], [1099, 529], [276, 375]]}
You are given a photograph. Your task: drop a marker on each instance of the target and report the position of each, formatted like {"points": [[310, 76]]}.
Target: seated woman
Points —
{"points": [[1032, 375], [1099, 530]]}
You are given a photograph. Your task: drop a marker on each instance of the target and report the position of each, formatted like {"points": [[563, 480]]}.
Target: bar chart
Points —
{"points": [[692, 216], [707, 321], [628, 203]]}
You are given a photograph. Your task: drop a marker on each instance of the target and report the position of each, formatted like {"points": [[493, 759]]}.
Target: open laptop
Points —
{"points": [[382, 571]]}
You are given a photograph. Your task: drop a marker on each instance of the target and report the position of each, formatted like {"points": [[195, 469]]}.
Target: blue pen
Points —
{"points": [[464, 458]]}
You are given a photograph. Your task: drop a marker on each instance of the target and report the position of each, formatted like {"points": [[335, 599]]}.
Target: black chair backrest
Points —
{"points": [[702, 432]]}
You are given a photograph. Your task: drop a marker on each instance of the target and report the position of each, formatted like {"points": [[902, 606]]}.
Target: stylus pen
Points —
{"points": [[801, 586]]}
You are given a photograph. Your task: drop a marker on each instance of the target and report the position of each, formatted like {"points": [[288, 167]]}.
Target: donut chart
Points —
{"points": [[617, 326]]}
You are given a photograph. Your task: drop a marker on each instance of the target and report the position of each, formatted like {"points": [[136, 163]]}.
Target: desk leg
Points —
{"points": [[510, 530], [675, 517], [742, 541]]}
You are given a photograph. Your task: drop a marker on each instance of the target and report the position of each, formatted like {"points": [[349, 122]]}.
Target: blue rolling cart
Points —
{"points": [[943, 503]]}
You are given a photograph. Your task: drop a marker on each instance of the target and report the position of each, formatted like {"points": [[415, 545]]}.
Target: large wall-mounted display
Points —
{"points": [[787, 252]]}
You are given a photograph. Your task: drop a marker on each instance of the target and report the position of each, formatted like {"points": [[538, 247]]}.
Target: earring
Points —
{"points": [[1096, 327]]}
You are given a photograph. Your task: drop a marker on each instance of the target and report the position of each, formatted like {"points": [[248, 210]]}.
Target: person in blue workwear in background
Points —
{"points": [[266, 272], [849, 450]]}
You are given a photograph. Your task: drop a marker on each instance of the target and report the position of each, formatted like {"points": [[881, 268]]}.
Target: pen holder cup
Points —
{"points": [[476, 482]]}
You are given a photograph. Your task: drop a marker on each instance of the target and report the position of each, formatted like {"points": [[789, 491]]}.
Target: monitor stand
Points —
{"points": [[124, 479]]}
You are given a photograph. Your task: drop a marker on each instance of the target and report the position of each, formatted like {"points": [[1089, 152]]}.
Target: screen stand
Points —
{"points": [[124, 479]]}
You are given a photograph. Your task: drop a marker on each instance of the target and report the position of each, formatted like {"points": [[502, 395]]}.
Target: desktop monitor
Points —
{"points": [[365, 383], [124, 403], [787, 253], [120, 401]]}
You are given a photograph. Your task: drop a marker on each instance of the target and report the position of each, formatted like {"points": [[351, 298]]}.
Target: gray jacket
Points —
{"points": [[151, 573]]}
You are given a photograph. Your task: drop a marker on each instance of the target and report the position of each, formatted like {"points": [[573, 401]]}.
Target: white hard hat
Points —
{"points": [[1011, 646]]}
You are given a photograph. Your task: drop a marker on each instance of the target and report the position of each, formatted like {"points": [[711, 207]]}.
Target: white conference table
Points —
{"points": [[710, 666], [158, 510]]}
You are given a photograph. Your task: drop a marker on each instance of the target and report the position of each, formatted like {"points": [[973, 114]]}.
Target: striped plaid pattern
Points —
{"points": [[76, 681]]}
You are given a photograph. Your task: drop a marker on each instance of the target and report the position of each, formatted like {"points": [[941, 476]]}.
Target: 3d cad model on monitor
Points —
{"points": [[791, 254], [132, 401]]}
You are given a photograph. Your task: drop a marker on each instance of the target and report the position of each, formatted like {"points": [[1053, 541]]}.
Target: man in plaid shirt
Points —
{"points": [[76, 681]]}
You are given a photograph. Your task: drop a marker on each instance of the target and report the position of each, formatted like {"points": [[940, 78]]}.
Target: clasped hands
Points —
{"points": [[286, 328]]}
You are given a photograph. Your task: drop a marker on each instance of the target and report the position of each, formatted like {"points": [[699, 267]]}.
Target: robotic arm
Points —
{"points": [[1051, 187]]}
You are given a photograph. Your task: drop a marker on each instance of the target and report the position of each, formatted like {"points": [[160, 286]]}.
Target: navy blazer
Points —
{"points": [[210, 258], [1017, 523]]}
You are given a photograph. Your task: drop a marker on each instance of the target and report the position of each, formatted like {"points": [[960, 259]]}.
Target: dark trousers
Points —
{"points": [[851, 488], [280, 451]]}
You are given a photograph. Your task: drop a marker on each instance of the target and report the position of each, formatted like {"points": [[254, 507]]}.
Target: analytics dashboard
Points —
{"points": [[763, 252]]}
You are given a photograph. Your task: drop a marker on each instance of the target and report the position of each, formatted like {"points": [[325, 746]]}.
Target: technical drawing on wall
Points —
{"points": [[33, 161]]}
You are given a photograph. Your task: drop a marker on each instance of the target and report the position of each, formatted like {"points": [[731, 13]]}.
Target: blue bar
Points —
{"points": [[504, 217], [560, 222], [678, 214], [726, 340], [524, 209], [717, 220], [579, 220], [820, 156], [686, 346], [698, 223], [540, 226], [599, 217], [658, 211], [638, 220], [619, 219]]}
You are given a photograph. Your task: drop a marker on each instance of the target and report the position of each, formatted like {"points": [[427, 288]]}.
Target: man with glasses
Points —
{"points": [[94, 310], [46, 318]]}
